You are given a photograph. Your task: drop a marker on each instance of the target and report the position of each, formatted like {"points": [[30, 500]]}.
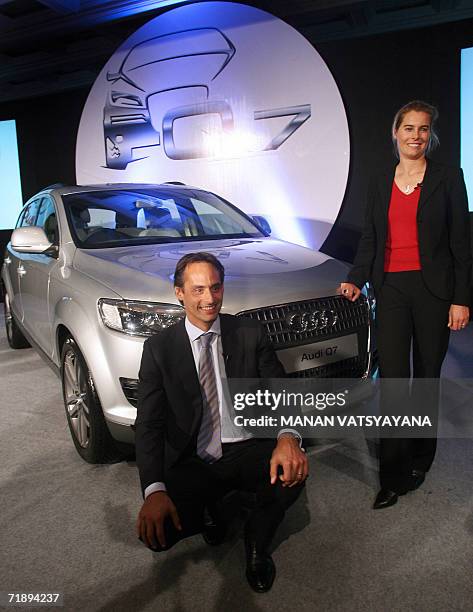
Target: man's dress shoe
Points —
{"points": [[417, 478], [384, 499], [214, 530], [260, 569]]}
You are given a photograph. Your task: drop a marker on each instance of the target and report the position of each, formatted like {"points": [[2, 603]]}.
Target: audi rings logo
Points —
{"points": [[300, 322]]}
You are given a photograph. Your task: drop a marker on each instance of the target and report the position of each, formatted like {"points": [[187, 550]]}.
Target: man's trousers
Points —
{"points": [[194, 485]]}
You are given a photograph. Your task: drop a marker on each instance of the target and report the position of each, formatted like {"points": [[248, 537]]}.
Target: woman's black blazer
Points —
{"points": [[443, 226]]}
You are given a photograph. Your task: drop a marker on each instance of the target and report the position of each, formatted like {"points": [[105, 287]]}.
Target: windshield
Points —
{"points": [[123, 217]]}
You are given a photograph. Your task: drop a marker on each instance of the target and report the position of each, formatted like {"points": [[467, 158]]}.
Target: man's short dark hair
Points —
{"points": [[191, 258]]}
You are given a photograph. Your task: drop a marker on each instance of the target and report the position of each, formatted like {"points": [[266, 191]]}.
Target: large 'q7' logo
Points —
{"points": [[127, 121], [228, 98]]}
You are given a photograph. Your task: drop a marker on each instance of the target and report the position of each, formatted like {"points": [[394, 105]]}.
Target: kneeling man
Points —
{"points": [[185, 464]]}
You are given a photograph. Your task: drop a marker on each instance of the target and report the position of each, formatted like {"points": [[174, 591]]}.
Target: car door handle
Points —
{"points": [[21, 271]]}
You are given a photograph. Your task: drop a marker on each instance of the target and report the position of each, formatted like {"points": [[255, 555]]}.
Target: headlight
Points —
{"points": [[138, 318]]}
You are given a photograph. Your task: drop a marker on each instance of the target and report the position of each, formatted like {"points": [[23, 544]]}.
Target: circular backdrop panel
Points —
{"points": [[228, 98]]}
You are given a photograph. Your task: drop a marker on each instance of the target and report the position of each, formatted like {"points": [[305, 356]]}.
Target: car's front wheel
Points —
{"points": [[84, 413], [15, 337]]}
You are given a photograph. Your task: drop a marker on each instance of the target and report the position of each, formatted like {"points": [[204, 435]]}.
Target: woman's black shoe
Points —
{"points": [[384, 499]]}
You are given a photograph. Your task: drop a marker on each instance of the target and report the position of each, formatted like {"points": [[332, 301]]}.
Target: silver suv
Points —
{"points": [[88, 275]]}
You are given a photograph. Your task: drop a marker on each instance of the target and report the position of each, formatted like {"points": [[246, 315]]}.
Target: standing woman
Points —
{"points": [[415, 250]]}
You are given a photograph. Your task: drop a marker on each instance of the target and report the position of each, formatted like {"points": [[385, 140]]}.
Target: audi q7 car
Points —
{"points": [[88, 275]]}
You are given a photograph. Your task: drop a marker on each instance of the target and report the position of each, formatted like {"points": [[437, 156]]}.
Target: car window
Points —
{"points": [[28, 218], [101, 217], [120, 217], [20, 218], [47, 219], [215, 221]]}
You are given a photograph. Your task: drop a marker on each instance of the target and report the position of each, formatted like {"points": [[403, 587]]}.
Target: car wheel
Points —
{"points": [[15, 337], [89, 431]]}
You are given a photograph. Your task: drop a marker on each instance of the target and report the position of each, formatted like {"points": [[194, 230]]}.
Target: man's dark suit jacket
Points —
{"points": [[170, 400], [443, 229]]}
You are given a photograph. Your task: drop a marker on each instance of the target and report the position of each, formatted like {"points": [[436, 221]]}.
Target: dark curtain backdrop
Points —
{"points": [[375, 75]]}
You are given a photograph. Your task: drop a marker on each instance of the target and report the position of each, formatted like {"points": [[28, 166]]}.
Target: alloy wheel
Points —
{"points": [[8, 316], [76, 398]]}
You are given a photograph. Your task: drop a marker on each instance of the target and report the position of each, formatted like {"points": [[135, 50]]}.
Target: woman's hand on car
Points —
{"points": [[349, 291]]}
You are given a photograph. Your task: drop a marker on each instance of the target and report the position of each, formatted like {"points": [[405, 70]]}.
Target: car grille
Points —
{"points": [[344, 318]]}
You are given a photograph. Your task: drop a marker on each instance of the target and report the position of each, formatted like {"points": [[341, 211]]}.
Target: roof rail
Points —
{"points": [[174, 183], [53, 186]]}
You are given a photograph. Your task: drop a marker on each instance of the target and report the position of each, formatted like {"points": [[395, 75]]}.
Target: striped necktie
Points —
{"points": [[209, 439]]}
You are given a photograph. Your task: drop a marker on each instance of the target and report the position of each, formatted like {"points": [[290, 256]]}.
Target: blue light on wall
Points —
{"points": [[11, 198], [63, 6], [134, 8], [466, 119]]}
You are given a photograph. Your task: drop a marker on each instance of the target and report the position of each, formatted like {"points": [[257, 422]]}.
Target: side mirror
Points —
{"points": [[31, 240], [262, 224]]}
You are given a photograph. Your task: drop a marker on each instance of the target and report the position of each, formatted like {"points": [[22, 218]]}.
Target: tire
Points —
{"points": [[15, 336], [87, 425]]}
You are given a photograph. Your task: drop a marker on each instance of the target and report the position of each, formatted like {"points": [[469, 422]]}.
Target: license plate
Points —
{"points": [[298, 358]]}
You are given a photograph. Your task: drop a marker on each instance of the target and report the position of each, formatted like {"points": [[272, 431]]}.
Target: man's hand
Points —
{"points": [[349, 291], [458, 317], [150, 523], [293, 461]]}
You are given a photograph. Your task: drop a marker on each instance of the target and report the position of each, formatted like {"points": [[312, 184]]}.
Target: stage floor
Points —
{"points": [[68, 526]]}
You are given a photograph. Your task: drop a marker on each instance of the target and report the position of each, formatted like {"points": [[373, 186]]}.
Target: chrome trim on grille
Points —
{"points": [[350, 317]]}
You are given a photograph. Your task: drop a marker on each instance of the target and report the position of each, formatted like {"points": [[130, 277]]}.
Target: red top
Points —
{"points": [[402, 243]]}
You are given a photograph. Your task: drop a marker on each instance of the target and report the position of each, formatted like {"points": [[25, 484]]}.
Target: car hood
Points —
{"points": [[258, 272]]}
